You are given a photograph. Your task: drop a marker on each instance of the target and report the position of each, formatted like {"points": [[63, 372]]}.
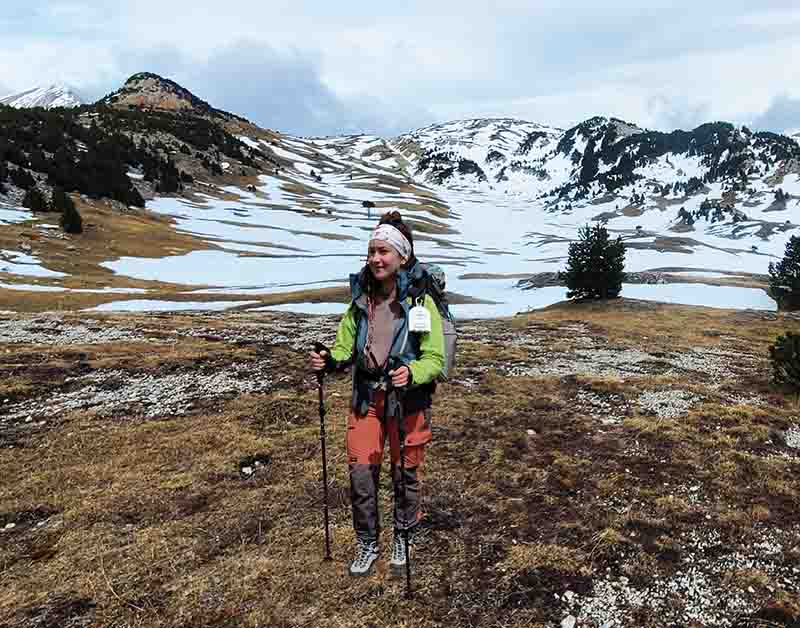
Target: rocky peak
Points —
{"points": [[151, 92], [146, 90], [596, 131]]}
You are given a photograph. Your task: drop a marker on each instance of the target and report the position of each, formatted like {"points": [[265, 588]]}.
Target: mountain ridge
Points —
{"points": [[46, 96], [493, 197], [150, 91], [597, 156]]}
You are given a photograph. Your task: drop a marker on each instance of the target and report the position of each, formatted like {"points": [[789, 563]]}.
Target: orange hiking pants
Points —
{"points": [[366, 437]]}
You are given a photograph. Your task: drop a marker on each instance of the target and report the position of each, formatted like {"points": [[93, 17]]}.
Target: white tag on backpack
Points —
{"points": [[419, 319]]}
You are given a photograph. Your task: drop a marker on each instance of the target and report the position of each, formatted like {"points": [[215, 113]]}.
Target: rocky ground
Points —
{"points": [[626, 464], [662, 276]]}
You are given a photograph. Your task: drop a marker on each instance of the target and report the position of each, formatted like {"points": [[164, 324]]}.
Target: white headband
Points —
{"points": [[393, 236]]}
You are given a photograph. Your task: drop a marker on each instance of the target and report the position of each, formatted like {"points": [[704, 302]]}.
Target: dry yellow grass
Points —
{"points": [[650, 323], [148, 521]]}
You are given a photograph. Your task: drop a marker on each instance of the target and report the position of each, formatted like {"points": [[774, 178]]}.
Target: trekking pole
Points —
{"points": [[401, 435], [319, 348]]}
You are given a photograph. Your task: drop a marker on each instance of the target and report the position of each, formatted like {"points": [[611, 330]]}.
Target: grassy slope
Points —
{"points": [[147, 522]]}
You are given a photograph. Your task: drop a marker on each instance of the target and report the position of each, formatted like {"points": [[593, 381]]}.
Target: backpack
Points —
{"points": [[434, 285]]}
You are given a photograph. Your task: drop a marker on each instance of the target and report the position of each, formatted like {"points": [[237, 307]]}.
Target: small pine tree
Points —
{"points": [[784, 277], [22, 178], [35, 200], [785, 358], [71, 221], [595, 265], [61, 201]]}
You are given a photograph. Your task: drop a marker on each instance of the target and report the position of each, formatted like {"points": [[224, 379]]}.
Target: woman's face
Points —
{"points": [[383, 259]]}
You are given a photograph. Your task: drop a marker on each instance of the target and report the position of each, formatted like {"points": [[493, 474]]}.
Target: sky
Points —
{"points": [[322, 68]]}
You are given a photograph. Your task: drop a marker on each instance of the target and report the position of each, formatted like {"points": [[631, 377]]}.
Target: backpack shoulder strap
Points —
{"points": [[419, 288]]}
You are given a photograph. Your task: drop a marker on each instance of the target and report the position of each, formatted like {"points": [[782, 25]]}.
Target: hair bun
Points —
{"points": [[392, 218]]}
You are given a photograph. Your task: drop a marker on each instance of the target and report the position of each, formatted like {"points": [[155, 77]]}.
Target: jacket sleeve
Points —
{"points": [[431, 360], [342, 350]]}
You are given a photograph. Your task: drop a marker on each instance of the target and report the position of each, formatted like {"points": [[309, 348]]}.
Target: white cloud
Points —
{"points": [[782, 116], [284, 90], [683, 91], [771, 19], [38, 62], [659, 64]]}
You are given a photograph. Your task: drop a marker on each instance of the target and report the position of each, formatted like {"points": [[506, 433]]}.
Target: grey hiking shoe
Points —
{"points": [[398, 562], [366, 554]]}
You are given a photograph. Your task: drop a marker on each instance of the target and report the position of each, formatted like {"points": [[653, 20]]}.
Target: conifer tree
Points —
{"points": [[22, 178], [61, 201], [595, 265], [589, 165], [785, 358], [71, 221], [784, 277], [35, 200]]}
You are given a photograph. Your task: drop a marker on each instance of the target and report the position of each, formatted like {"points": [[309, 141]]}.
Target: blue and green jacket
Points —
{"points": [[422, 352]]}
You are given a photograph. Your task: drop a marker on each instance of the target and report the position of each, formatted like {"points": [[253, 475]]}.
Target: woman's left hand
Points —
{"points": [[399, 377]]}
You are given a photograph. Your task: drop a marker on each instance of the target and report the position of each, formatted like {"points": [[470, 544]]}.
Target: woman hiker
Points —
{"points": [[393, 328]]}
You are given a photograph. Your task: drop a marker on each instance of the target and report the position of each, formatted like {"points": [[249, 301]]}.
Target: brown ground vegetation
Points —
{"points": [[124, 520]]}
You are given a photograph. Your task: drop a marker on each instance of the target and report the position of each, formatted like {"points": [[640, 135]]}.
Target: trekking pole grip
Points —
{"points": [[319, 348]]}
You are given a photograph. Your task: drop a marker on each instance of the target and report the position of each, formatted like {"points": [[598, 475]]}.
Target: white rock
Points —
{"points": [[10, 526], [568, 622], [247, 470]]}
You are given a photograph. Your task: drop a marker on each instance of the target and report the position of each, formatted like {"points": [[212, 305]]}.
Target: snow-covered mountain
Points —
{"points": [[49, 96], [497, 198], [475, 151], [594, 158], [491, 200]]}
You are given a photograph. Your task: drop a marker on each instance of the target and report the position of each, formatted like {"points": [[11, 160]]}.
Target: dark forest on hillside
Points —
{"points": [[91, 149]]}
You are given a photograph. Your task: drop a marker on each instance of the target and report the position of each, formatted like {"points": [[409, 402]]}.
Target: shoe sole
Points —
{"points": [[397, 571]]}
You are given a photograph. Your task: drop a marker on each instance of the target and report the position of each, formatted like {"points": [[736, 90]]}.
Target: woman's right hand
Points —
{"points": [[317, 360]]}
